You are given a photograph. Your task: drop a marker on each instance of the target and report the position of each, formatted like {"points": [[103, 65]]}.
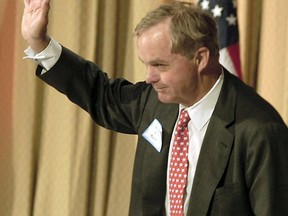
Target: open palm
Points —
{"points": [[35, 19]]}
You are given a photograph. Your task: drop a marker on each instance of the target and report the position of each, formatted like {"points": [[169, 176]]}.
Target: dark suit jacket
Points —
{"points": [[243, 163]]}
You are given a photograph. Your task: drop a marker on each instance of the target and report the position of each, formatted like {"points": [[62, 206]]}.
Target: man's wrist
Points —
{"points": [[38, 45], [48, 57]]}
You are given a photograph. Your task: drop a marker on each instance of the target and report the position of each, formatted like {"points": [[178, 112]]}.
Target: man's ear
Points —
{"points": [[202, 58]]}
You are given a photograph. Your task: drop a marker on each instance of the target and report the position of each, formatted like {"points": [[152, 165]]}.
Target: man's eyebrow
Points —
{"points": [[155, 61]]}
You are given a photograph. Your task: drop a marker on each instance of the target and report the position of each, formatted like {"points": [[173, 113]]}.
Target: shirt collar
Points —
{"points": [[201, 112]]}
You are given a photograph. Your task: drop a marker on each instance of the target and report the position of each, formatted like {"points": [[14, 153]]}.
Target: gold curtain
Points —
{"points": [[272, 80], [53, 159], [263, 27]]}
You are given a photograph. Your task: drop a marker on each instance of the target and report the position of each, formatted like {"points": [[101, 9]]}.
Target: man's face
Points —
{"points": [[173, 76]]}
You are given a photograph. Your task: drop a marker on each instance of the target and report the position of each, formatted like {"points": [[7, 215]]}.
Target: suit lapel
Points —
{"points": [[154, 167], [215, 150]]}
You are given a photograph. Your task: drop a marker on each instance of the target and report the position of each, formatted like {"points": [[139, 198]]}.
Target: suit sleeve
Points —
{"points": [[267, 170], [115, 104]]}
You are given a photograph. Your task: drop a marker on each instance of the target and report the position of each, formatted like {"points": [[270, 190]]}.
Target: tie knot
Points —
{"points": [[184, 118]]}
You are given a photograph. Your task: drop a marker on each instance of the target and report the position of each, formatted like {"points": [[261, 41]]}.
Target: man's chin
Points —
{"points": [[164, 99]]}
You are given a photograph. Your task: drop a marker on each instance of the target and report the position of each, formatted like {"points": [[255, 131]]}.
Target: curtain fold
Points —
{"points": [[249, 19], [54, 160]]}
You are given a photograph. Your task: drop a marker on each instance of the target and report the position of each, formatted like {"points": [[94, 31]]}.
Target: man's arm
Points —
{"points": [[267, 174]]}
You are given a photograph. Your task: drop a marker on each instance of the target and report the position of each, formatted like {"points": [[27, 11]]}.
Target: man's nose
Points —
{"points": [[151, 76]]}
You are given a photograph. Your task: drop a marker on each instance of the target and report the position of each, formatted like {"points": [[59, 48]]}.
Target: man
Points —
{"points": [[235, 145]]}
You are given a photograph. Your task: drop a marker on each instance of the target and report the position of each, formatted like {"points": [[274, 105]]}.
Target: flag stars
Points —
{"points": [[217, 11], [205, 5], [225, 14], [232, 20]]}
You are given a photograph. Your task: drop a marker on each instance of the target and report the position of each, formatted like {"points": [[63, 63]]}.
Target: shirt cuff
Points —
{"points": [[48, 57]]}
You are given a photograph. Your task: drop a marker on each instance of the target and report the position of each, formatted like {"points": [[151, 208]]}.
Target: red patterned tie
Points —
{"points": [[179, 165]]}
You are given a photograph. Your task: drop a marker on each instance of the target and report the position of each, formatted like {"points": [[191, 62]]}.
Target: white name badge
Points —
{"points": [[153, 134]]}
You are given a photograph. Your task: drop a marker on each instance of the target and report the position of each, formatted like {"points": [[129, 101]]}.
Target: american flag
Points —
{"points": [[225, 14]]}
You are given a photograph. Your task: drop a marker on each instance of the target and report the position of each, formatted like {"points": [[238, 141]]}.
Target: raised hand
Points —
{"points": [[34, 24]]}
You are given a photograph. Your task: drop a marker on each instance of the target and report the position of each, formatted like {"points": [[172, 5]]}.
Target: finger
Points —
{"points": [[46, 2], [26, 3], [46, 5]]}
